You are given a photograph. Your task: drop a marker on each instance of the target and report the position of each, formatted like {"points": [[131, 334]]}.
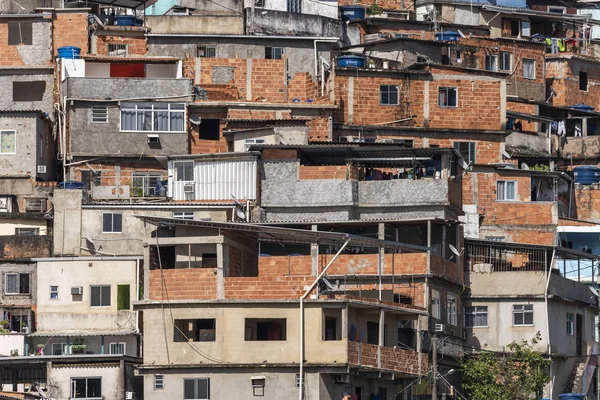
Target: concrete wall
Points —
{"points": [[207, 7], [34, 146], [299, 52], [272, 22], [67, 222], [539, 143], [38, 53], [560, 341], [128, 88], [276, 135], [87, 138], [9, 227], [39, 100], [328, 8], [530, 283], [10, 343], [214, 24], [74, 312], [230, 345], [112, 374]]}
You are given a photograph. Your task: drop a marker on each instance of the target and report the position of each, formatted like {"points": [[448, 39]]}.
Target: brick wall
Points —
{"points": [[342, 172], [204, 146], [267, 288], [183, 284], [393, 359], [278, 266], [563, 75], [479, 101], [136, 45], [385, 4], [70, 29], [524, 108], [573, 222], [117, 174], [9, 55], [587, 203]]}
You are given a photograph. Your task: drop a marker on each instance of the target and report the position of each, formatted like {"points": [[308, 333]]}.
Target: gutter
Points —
{"points": [[260, 38]]}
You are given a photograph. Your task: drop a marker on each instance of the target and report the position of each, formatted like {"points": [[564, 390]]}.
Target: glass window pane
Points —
{"points": [[105, 294], [7, 142], [24, 283], [117, 223], [528, 318], [161, 121], [107, 225], [94, 387], [188, 389], [177, 121], [203, 388], [510, 191], [452, 97], [177, 106], [95, 293], [12, 285], [442, 97], [393, 95], [384, 96], [80, 392], [518, 318], [500, 190]]}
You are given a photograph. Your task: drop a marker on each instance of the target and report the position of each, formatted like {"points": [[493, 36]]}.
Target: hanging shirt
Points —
{"points": [[561, 128]]}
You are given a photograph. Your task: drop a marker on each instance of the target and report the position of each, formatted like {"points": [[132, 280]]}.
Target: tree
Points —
{"points": [[515, 375]]}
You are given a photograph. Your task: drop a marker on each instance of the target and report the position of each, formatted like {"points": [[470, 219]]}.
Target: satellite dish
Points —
{"points": [[594, 291], [505, 154], [525, 166], [195, 119], [240, 214], [464, 164], [454, 250]]}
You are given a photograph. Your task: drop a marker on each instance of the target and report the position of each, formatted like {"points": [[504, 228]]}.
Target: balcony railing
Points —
{"points": [[387, 358]]}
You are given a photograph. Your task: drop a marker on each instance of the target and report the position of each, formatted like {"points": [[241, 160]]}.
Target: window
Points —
{"points": [[99, 114], [466, 150], [29, 91], [265, 329], [123, 300], [143, 184], [35, 205], [16, 284], [27, 231], [91, 178], [159, 382], [250, 142], [117, 50], [8, 142], [273, 53], [59, 349], [196, 389], [448, 97], [525, 28], [294, 6], [184, 171], [570, 324], [523, 314], [388, 95], [556, 10], [112, 222], [506, 190], [505, 61], [117, 348], [20, 33], [206, 50], [100, 296], [515, 27], [86, 388], [53, 292], [195, 330], [435, 304], [491, 62], [528, 68], [583, 81], [476, 317], [183, 215], [451, 310], [153, 117], [210, 129]]}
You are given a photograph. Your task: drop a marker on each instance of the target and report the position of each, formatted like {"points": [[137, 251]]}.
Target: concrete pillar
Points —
{"points": [[426, 105], [345, 321], [445, 174], [198, 71], [146, 251], [68, 345], [102, 345], [314, 255], [249, 79], [219, 272], [350, 107], [381, 236]]}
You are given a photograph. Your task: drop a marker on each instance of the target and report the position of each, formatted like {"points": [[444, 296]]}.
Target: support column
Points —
{"points": [[314, 255], [219, 272], [381, 261], [381, 336], [102, 344], [345, 321], [68, 346], [146, 283]]}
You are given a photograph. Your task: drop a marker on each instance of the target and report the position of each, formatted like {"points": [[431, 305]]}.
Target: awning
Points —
{"points": [[272, 234]]}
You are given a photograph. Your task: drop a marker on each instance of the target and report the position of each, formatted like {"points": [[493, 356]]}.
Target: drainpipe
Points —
{"points": [[548, 313], [304, 296]]}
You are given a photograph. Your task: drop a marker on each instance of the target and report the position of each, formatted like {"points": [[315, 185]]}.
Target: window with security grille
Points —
{"points": [[117, 348], [143, 184], [117, 50], [205, 50]]}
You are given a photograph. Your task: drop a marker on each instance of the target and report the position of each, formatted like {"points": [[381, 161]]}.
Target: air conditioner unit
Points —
{"points": [[189, 188], [349, 139], [439, 327], [153, 139], [41, 169], [129, 395], [342, 378], [77, 290]]}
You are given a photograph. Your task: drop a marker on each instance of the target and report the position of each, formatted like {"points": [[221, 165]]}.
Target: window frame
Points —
{"points": [[208, 48], [493, 57], [501, 63], [117, 49], [185, 215], [525, 309], [157, 385], [31, 231], [63, 348], [135, 107], [436, 309], [196, 395], [18, 292], [112, 222], [184, 165], [101, 119], [54, 292], [570, 324], [250, 142], [504, 190], [101, 298], [117, 344], [533, 69], [471, 151], [474, 313], [148, 190], [14, 132], [587, 84], [452, 309], [23, 25], [72, 384], [274, 53], [447, 90], [389, 92]]}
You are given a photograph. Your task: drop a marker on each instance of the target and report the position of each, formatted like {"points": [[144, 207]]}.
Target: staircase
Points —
{"points": [[575, 383]]}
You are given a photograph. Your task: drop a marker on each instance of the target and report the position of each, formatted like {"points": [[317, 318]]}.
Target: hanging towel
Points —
{"points": [[561, 45], [561, 128]]}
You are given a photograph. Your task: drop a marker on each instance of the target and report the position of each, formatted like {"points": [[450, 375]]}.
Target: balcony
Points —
{"points": [[387, 358], [104, 88]]}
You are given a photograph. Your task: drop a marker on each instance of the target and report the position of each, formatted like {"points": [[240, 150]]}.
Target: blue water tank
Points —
{"points": [[586, 175], [352, 13], [125, 20], [71, 185], [71, 52], [447, 35], [351, 61], [582, 107], [571, 396]]}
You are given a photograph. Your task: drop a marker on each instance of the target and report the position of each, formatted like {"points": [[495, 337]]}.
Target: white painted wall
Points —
{"points": [[324, 8], [97, 70], [112, 380], [11, 342], [162, 71], [9, 227], [73, 312]]}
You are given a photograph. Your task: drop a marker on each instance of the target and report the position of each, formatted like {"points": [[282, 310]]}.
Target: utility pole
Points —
{"points": [[434, 368]]}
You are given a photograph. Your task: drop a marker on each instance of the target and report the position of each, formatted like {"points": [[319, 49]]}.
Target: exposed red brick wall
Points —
{"points": [[587, 203], [319, 128], [136, 45], [524, 108], [204, 146], [111, 177], [302, 87], [393, 359], [9, 55], [385, 4], [563, 75], [71, 29], [342, 172], [183, 284], [271, 288]]}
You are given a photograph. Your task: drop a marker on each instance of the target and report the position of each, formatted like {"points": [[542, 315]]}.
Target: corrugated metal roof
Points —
{"points": [[273, 234], [545, 14]]}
